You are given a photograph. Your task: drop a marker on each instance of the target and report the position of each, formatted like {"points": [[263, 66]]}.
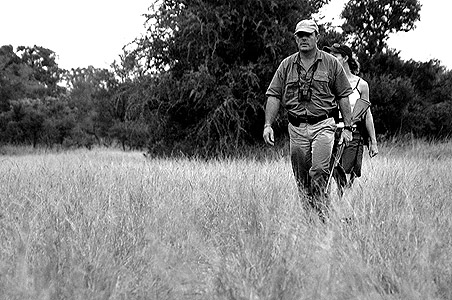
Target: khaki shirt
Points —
{"points": [[328, 83]]}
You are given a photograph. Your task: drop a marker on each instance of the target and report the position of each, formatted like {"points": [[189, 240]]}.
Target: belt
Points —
{"points": [[311, 120]]}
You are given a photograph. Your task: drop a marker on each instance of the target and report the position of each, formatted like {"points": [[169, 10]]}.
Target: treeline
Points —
{"points": [[41, 104], [195, 82]]}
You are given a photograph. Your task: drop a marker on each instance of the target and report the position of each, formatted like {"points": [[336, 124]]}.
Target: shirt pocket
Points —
{"points": [[321, 83], [291, 93]]}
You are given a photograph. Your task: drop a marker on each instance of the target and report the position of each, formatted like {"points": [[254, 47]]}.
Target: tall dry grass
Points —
{"points": [[112, 225]]}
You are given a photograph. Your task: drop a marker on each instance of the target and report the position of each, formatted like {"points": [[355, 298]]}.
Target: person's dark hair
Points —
{"points": [[345, 51], [353, 64]]}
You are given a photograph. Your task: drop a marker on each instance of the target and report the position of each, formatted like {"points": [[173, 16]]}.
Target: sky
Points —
{"points": [[429, 40], [80, 32], [93, 32]]}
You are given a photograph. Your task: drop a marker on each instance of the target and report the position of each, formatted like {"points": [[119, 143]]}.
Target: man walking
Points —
{"points": [[310, 84]]}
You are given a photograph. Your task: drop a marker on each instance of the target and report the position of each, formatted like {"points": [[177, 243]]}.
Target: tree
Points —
{"points": [[369, 22], [59, 122], [44, 66], [129, 66], [28, 73], [214, 61], [15, 78], [391, 98], [86, 84], [24, 122], [89, 91]]}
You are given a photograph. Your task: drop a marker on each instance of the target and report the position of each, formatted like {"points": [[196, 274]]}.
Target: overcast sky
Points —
{"points": [[81, 32], [93, 32], [430, 38]]}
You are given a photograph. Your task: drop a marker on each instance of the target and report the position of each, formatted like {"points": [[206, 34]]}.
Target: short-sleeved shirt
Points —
{"points": [[326, 79]]}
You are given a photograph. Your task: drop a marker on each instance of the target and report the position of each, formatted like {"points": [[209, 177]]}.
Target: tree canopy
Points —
{"points": [[215, 59], [368, 23], [195, 82]]}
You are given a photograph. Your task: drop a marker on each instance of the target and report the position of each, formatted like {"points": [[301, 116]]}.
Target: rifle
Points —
{"points": [[337, 158], [359, 109]]}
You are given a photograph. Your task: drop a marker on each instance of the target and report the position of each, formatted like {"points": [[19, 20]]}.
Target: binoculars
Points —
{"points": [[304, 94]]}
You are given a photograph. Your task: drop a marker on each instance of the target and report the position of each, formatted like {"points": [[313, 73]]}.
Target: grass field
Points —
{"points": [[105, 224]]}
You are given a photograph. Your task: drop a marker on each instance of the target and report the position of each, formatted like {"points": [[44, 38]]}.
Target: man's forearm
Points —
{"points": [[346, 111], [271, 109]]}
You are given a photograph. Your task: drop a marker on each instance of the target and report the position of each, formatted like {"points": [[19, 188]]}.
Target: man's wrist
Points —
{"points": [[349, 128], [267, 125]]}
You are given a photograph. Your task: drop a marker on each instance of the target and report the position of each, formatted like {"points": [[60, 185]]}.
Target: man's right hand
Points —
{"points": [[269, 136], [346, 136]]}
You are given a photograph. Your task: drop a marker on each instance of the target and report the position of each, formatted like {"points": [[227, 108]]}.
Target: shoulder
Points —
{"points": [[327, 56], [330, 63], [363, 88], [289, 59], [286, 63], [363, 85]]}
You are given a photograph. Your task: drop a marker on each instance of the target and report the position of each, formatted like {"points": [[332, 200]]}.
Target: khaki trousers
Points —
{"points": [[310, 152]]}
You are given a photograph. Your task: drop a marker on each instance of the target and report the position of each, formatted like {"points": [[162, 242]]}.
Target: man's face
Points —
{"points": [[306, 41]]}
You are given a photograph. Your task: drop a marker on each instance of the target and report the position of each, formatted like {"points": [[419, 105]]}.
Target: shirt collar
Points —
{"points": [[318, 56]]}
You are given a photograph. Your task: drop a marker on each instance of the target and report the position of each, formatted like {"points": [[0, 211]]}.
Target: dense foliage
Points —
{"points": [[369, 22], [196, 81], [220, 56]]}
